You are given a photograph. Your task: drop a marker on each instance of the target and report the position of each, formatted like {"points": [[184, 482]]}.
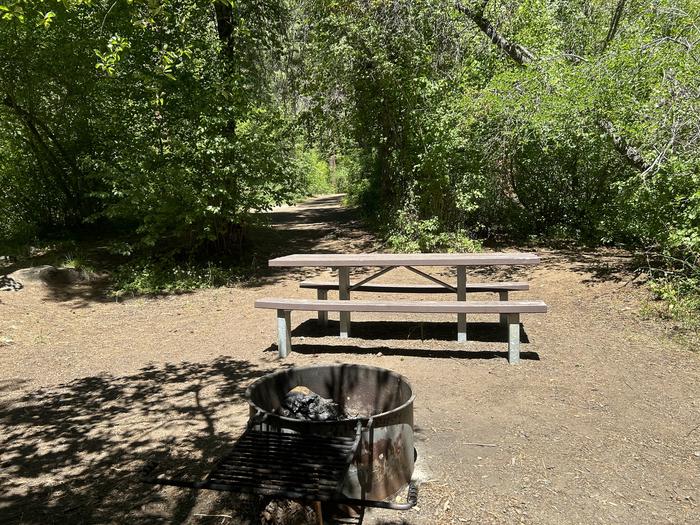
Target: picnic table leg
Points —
{"points": [[284, 335], [322, 295], [503, 296], [461, 296], [513, 338], [344, 295]]}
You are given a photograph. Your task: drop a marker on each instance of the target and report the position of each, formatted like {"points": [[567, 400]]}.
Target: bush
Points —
{"points": [[319, 176], [676, 282], [164, 276], [314, 172], [347, 168], [413, 235], [680, 300]]}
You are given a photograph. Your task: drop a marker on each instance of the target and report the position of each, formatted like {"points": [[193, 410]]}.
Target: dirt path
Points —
{"points": [[601, 424]]}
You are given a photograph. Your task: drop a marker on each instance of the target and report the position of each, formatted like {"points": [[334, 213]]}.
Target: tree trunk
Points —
{"points": [[224, 25], [629, 153], [614, 23], [515, 51], [61, 163]]}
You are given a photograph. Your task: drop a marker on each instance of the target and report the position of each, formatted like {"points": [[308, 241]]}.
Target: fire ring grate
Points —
{"points": [[351, 464], [293, 466]]}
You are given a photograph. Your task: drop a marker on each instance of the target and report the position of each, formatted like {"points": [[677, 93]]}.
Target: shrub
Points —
{"points": [[414, 235]]}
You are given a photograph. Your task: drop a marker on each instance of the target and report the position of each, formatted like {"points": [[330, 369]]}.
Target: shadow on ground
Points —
{"points": [[80, 294], [600, 265], [325, 225], [412, 331], [316, 349], [73, 453], [321, 225]]}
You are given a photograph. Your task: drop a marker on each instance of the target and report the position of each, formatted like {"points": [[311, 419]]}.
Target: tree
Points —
{"points": [[160, 115]]}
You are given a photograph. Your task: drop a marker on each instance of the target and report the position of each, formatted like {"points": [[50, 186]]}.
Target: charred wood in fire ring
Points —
{"points": [[302, 403]]}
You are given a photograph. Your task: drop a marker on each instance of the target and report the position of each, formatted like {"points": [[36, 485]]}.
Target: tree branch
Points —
{"points": [[614, 22], [631, 155], [519, 53], [31, 125], [523, 56]]}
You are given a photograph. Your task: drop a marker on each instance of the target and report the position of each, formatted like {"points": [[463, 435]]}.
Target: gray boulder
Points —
{"points": [[46, 274]]}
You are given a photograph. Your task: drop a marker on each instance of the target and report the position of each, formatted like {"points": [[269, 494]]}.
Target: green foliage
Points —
{"points": [[166, 276], [347, 169], [449, 126], [388, 74], [318, 175], [412, 235], [78, 261], [679, 300], [315, 172], [145, 114], [675, 283], [179, 121]]}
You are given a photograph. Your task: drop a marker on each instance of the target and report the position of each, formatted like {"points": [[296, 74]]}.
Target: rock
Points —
{"points": [[301, 390], [47, 274]]}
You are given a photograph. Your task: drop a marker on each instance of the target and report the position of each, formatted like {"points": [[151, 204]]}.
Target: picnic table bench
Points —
{"points": [[509, 311], [323, 287]]}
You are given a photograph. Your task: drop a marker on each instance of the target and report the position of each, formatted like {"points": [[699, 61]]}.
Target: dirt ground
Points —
{"points": [[599, 423]]}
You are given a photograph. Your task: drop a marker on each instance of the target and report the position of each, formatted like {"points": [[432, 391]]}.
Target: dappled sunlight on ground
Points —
{"points": [[599, 422]]}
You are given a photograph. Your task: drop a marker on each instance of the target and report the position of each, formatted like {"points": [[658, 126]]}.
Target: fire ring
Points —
{"points": [[379, 400]]}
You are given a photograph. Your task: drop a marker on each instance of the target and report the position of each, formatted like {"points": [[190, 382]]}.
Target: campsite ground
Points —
{"points": [[600, 423]]}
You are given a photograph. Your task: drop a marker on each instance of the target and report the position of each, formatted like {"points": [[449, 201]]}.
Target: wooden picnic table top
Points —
{"points": [[405, 259]]}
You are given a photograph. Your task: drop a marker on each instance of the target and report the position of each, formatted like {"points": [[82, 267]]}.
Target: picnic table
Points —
{"points": [[388, 261]]}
